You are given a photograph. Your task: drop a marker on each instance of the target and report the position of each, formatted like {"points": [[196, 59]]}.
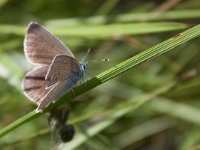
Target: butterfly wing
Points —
{"points": [[47, 83], [55, 92], [63, 68], [34, 84], [35, 88], [62, 75], [40, 46]]}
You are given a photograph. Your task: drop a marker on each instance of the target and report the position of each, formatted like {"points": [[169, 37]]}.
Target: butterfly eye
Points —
{"points": [[83, 67]]}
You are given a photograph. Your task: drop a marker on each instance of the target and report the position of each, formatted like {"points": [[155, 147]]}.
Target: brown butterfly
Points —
{"points": [[57, 70]]}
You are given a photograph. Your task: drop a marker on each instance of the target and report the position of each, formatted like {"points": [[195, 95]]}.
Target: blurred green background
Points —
{"points": [[119, 114]]}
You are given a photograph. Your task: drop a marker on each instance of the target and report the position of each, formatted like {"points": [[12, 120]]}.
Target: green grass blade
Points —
{"points": [[100, 31], [144, 130], [115, 71], [106, 7], [117, 112], [95, 31], [176, 109], [2, 2], [146, 16]]}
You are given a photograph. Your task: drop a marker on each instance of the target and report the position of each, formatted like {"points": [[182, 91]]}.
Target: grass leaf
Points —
{"points": [[100, 31]]}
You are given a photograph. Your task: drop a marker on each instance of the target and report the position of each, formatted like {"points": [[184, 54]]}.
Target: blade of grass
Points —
{"points": [[10, 45], [119, 111], [146, 16], [179, 110], [143, 130], [113, 72], [106, 7], [116, 112], [96, 31], [10, 71], [2, 2]]}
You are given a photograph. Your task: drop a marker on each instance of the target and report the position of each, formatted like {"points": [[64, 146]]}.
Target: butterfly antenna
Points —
{"points": [[101, 60], [86, 55]]}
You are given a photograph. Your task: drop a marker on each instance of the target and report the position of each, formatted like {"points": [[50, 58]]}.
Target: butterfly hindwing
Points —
{"points": [[34, 84]]}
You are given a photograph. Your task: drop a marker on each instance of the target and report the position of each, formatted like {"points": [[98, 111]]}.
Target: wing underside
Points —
{"points": [[40, 46]]}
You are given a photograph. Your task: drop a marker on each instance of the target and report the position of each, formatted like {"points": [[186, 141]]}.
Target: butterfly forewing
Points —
{"points": [[62, 68], [62, 75], [40, 46]]}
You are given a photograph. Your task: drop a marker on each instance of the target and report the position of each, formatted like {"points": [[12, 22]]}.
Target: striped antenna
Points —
{"points": [[86, 55], [100, 60]]}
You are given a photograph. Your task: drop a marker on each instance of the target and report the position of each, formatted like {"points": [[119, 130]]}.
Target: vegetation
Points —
{"points": [[147, 95]]}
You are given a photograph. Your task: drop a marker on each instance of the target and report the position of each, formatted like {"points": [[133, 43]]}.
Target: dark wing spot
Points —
{"points": [[32, 88], [34, 78]]}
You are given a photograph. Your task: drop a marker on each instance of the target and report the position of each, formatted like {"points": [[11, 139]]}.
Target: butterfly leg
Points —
{"points": [[84, 81], [73, 91]]}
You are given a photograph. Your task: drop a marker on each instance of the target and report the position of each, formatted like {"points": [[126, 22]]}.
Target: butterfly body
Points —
{"points": [[58, 69]]}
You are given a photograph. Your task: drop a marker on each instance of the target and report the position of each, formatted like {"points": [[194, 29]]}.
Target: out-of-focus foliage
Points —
{"points": [[139, 109]]}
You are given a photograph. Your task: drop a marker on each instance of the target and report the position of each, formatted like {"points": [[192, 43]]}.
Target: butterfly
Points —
{"points": [[57, 69]]}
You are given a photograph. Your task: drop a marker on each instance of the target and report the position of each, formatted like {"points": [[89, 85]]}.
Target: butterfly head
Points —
{"points": [[83, 63], [83, 67]]}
